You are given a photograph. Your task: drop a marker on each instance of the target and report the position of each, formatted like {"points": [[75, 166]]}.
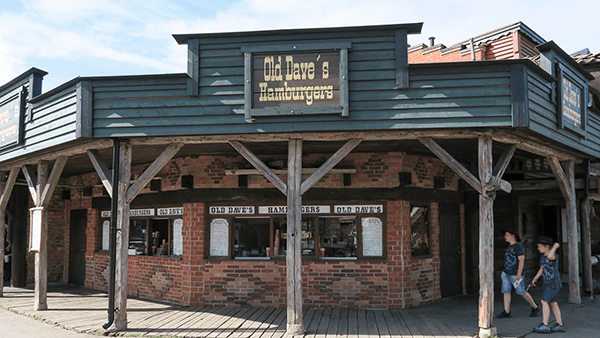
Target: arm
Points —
{"points": [[551, 254], [537, 276], [520, 268]]}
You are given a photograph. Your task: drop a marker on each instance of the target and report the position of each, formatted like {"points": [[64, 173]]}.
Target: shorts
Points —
{"points": [[550, 295], [509, 280]]}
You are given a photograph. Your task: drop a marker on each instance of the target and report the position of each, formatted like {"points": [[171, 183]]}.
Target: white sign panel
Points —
{"points": [[219, 237], [306, 209], [231, 210], [178, 237], [358, 209], [35, 230], [132, 213], [169, 211], [105, 235], [372, 235]]}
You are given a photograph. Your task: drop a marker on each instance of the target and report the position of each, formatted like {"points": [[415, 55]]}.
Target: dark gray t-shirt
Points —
{"points": [[550, 274], [511, 264]]}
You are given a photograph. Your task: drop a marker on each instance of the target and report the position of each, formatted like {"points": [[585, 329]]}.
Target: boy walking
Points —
{"points": [[552, 283], [512, 275]]}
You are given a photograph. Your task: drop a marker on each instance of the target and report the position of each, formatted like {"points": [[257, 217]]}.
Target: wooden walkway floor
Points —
{"points": [[84, 310]]}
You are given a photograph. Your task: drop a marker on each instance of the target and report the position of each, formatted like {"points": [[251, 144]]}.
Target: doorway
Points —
{"points": [[77, 247], [450, 250]]}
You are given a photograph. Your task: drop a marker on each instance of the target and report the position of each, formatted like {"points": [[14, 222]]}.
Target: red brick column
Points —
{"points": [[193, 254]]}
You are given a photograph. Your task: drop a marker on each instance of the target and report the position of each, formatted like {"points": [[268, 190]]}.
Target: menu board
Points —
{"points": [[219, 237], [105, 235], [178, 237], [372, 234], [35, 230]]}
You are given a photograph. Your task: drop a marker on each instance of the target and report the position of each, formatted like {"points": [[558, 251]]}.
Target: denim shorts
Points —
{"points": [[550, 295], [507, 284]]}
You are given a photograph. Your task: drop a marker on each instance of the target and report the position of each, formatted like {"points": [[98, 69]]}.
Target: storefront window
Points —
{"points": [[419, 226], [338, 236], [327, 231], [251, 237], [137, 236]]}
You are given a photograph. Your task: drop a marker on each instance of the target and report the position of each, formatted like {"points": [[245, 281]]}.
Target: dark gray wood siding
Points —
{"points": [[543, 118], [438, 97]]}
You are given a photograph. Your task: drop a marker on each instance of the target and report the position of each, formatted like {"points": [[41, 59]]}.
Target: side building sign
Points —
{"points": [[11, 119]]}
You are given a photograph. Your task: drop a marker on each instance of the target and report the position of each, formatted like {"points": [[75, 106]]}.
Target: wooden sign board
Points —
{"points": [[300, 79], [11, 119], [571, 99]]}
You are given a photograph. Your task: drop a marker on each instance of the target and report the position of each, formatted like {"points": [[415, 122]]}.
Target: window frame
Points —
{"points": [[429, 231], [317, 237]]}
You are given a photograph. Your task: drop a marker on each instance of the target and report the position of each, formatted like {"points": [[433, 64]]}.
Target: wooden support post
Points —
{"points": [[122, 237], [294, 239], [486, 243], [2, 217], [41, 257], [586, 246], [566, 182]]}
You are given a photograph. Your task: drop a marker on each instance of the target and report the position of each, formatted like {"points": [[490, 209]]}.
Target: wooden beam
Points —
{"points": [[561, 178], [31, 183], [122, 236], [41, 257], [486, 243], [53, 154], [531, 146], [48, 189], [2, 217], [543, 185], [8, 187], [152, 170], [295, 326], [458, 168], [101, 169], [493, 183], [305, 171], [586, 246], [572, 236], [330, 163], [504, 160], [258, 164]]}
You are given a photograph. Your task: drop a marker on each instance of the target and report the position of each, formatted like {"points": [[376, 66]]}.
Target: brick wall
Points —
{"points": [[397, 282]]}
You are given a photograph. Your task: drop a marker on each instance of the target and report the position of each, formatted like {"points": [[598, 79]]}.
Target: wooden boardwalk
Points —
{"points": [[85, 310]]}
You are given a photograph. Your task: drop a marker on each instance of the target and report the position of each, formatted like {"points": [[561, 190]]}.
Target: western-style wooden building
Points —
{"points": [[297, 168]]}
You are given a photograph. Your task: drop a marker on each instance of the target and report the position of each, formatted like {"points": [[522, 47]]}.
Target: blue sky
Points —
{"points": [[70, 38]]}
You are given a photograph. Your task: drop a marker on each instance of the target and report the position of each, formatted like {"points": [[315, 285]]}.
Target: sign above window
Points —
{"points": [[11, 119], [296, 79]]}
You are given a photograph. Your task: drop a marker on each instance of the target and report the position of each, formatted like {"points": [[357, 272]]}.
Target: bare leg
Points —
{"points": [[507, 298], [529, 300], [556, 311], [545, 312]]}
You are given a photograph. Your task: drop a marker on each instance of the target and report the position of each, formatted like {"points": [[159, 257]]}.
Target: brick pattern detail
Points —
{"points": [[363, 285], [374, 168], [244, 284], [421, 170], [448, 174]]}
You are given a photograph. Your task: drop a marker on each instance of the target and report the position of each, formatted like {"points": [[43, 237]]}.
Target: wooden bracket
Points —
{"points": [[260, 165], [101, 169]]}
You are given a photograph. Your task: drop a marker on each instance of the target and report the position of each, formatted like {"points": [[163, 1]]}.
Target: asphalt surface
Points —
{"points": [[13, 325]]}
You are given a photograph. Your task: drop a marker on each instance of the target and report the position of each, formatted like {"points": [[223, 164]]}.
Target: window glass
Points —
{"points": [[161, 243], [338, 236], [137, 236], [280, 236], [419, 225], [251, 237]]}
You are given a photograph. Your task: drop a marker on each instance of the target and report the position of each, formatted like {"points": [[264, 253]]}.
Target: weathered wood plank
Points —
{"points": [[49, 187], [152, 170], [352, 323], [572, 236], [486, 242], [504, 160], [414, 330], [382, 325], [313, 325], [258, 164], [41, 257], [122, 236], [561, 178], [294, 246], [329, 164], [363, 326], [322, 330], [31, 183], [101, 169], [252, 323], [334, 321], [463, 172]]}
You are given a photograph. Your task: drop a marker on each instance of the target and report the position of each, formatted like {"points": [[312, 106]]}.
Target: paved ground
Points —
{"points": [[84, 310], [13, 325]]}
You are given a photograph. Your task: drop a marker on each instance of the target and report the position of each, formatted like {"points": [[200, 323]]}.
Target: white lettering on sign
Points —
{"points": [[306, 209], [230, 210], [132, 213], [169, 211], [358, 209]]}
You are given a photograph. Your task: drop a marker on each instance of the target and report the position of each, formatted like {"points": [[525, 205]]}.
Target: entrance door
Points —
{"points": [[450, 250], [77, 247]]}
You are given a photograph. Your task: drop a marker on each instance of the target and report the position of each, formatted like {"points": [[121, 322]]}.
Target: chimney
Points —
{"points": [[432, 41]]}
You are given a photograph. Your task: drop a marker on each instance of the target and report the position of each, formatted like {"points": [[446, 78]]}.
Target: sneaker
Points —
{"points": [[558, 328], [535, 311], [504, 314], [542, 328]]}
